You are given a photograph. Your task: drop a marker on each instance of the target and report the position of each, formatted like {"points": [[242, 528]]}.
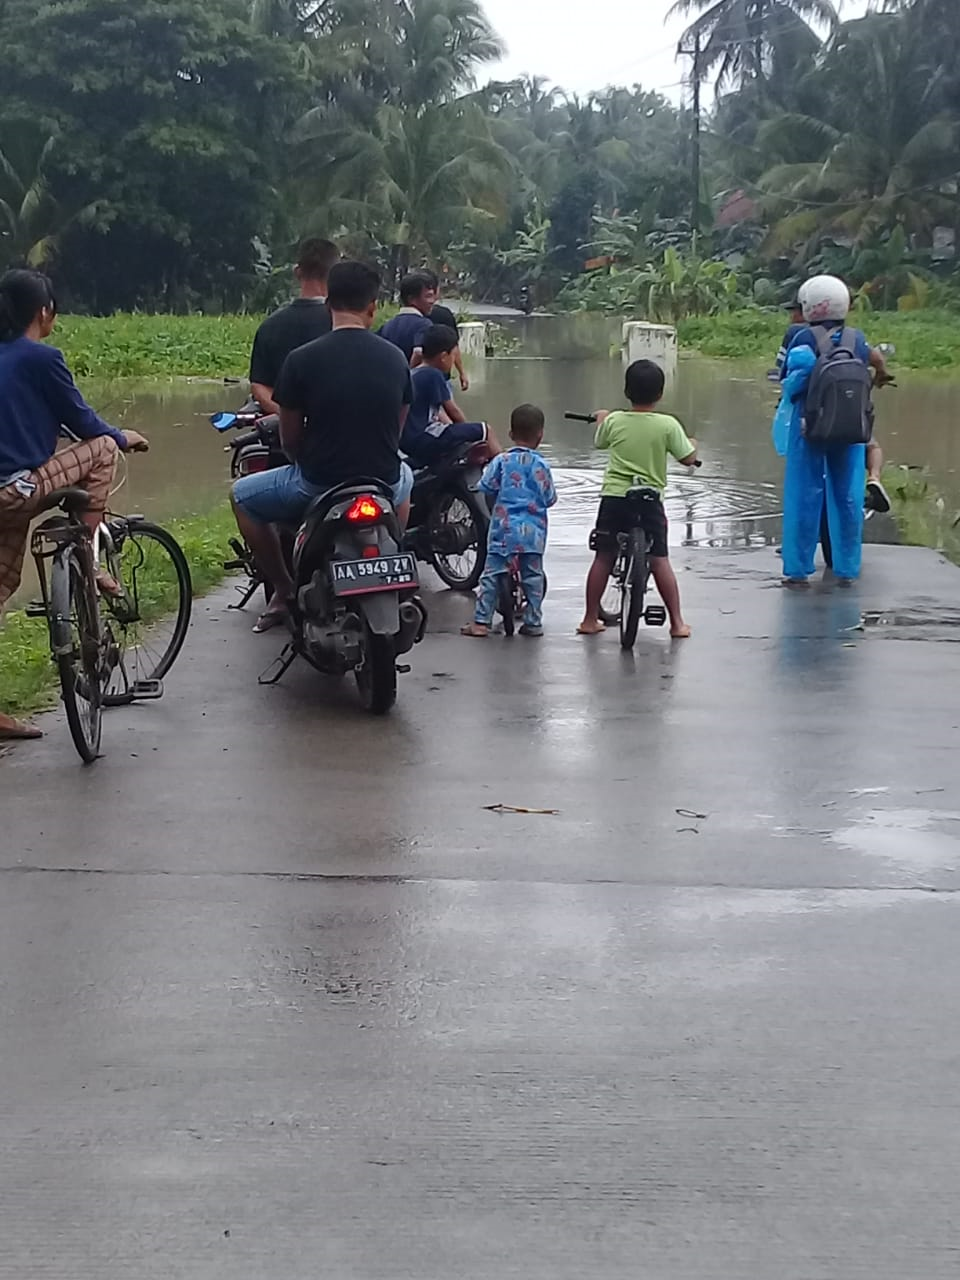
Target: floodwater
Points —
{"points": [[569, 363]]}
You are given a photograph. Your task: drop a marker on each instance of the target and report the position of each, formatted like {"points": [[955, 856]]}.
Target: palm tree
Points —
{"points": [[415, 178], [407, 151], [737, 38], [883, 156], [31, 220]]}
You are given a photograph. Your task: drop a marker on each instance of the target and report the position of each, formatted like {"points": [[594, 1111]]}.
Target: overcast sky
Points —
{"points": [[587, 44]]}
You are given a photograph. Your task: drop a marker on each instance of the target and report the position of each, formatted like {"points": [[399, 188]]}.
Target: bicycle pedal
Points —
{"points": [[655, 615], [146, 690], [36, 609]]}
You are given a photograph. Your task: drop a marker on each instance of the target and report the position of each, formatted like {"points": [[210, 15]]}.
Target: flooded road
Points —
{"points": [[568, 363]]}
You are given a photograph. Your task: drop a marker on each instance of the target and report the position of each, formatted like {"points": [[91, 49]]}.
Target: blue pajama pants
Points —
{"points": [[531, 575]]}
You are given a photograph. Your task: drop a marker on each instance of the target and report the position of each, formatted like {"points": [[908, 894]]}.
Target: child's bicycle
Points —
{"points": [[622, 604], [511, 597], [631, 576]]}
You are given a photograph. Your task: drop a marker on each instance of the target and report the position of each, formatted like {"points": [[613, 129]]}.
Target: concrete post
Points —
{"points": [[656, 342], [473, 340]]}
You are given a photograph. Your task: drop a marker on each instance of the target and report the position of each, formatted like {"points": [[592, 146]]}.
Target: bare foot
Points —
{"points": [[591, 627], [15, 730], [682, 632], [107, 585], [477, 630]]}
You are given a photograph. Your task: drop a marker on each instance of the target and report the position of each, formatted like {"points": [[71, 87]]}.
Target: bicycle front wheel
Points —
{"points": [[77, 647], [149, 620], [634, 585]]}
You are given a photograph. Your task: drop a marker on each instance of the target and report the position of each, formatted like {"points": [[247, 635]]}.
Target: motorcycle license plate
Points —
{"points": [[384, 573]]}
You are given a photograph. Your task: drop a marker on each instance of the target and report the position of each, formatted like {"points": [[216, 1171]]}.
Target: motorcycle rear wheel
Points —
{"points": [[459, 512], [377, 678]]}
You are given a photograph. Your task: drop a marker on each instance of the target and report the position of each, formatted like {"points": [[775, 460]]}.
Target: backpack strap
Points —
{"points": [[824, 340], [848, 341]]}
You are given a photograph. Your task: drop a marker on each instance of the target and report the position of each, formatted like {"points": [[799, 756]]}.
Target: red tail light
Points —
{"points": [[363, 510]]}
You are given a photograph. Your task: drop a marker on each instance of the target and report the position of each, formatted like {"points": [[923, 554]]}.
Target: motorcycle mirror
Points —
{"points": [[887, 349], [223, 421]]}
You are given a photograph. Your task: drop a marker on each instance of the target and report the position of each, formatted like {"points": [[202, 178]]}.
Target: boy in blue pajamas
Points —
{"points": [[521, 486]]}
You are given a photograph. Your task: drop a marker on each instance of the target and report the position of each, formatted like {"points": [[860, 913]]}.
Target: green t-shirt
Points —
{"points": [[639, 444]]}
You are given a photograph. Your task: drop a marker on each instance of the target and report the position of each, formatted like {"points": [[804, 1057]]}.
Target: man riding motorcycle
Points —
{"points": [[343, 400]]}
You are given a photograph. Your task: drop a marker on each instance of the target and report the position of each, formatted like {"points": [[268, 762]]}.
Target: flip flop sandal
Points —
{"points": [[269, 621]]}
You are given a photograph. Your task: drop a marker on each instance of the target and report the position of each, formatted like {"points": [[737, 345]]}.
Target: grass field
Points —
{"points": [[28, 680], [924, 339]]}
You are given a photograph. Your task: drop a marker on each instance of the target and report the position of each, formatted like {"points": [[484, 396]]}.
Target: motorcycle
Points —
{"points": [[449, 518], [355, 606], [256, 448]]}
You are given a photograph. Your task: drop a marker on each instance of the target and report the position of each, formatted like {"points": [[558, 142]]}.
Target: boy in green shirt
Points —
{"points": [[639, 441]]}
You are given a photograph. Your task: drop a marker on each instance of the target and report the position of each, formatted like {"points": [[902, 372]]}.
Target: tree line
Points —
{"points": [[167, 154]]}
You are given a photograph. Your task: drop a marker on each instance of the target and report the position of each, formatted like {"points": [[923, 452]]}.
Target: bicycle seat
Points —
{"points": [[73, 500], [643, 492]]}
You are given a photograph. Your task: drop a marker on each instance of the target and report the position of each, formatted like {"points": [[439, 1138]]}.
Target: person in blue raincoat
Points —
{"points": [[814, 476]]}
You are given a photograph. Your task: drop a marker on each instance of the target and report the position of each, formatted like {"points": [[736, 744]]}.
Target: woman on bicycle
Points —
{"points": [[38, 397]]}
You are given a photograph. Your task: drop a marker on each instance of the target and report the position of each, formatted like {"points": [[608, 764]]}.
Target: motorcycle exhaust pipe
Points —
{"points": [[413, 624]]}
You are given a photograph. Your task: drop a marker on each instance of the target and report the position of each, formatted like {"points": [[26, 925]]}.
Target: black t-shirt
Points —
{"points": [[298, 322], [443, 315], [350, 387]]}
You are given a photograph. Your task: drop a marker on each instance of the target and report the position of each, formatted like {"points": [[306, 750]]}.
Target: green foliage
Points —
{"points": [[927, 340], [166, 155], [28, 679], [155, 108], [667, 292], [923, 517], [752, 334], [141, 346], [27, 676]]}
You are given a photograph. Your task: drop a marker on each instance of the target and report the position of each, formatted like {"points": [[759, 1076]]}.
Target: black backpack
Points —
{"points": [[839, 409]]}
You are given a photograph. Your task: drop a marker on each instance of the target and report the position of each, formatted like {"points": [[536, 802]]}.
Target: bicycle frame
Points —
{"points": [[52, 543]]}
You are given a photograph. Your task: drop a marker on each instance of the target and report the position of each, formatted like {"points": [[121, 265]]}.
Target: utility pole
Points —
{"points": [[695, 53], [695, 218]]}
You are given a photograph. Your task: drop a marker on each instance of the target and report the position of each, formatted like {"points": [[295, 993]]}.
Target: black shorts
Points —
{"points": [[620, 515]]}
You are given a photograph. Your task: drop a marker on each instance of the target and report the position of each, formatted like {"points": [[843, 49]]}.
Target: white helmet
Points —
{"points": [[824, 298]]}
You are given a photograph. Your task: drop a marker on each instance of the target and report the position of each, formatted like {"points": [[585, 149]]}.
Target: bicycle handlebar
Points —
{"points": [[591, 419]]}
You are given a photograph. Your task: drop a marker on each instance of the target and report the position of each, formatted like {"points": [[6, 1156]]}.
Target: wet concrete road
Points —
{"points": [[280, 997]]}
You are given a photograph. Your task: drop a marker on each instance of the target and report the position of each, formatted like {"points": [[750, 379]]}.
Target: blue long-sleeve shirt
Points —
{"points": [[37, 397]]}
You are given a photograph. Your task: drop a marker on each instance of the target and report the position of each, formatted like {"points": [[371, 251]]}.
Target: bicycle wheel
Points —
{"points": [[78, 650], [506, 602], [611, 602], [148, 623], [634, 585], [458, 539]]}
